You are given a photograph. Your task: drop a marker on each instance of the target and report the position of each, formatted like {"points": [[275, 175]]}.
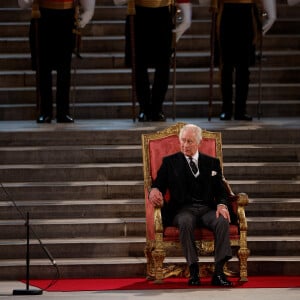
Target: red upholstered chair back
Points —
{"points": [[168, 145]]}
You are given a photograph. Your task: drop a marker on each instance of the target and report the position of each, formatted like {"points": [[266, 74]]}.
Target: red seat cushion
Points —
{"points": [[171, 234]]}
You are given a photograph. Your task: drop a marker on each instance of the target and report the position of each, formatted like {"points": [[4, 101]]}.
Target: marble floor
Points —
{"points": [[7, 288]]}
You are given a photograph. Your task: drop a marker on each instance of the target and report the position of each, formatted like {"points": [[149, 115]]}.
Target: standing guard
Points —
{"points": [[52, 40], [149, 44], [238, 24]]}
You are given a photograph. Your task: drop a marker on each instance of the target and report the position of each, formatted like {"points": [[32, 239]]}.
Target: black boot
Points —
{"points": [[194, 275]]}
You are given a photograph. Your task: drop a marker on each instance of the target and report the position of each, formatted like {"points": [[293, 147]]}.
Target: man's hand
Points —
{"points": [[222, 210], [156, 197]]}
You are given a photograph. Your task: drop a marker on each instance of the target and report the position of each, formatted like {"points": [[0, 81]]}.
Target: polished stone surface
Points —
{"points": [[7, 288], [126, 124]]}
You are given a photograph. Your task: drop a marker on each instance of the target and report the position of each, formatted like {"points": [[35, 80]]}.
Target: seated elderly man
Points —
{"points": [[197, 196]]}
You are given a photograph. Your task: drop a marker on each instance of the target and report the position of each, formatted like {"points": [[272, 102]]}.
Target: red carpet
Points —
{"points": [[105, 284]]}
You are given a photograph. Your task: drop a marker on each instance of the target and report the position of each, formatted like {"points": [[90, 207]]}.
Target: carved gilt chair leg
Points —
{"points": [[243, 255], [150, 263], [158, 258]]}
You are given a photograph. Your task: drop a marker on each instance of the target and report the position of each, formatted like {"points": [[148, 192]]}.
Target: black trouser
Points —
{"points": [[187, 220], [153, 40], [237, 52], [242, 75], [54, 45]]}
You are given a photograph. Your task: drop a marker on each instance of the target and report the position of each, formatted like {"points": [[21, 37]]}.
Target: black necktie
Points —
{"points": [[193, 166]]}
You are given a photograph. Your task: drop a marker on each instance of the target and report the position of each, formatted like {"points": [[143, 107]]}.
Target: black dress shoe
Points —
{"points": [[221, 280], [65, 119], [43, 119], [194, 281], [143, 117], [225, 116], [194, 274], [159, 117], [243, 117]]}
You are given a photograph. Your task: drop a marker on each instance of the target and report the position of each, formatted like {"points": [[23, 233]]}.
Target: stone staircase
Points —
{"points": [[82, 185], [103, 84]]}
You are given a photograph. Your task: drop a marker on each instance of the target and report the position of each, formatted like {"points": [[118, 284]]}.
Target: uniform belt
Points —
{"points": [[239, 1], [56, 4], [153, 3]]}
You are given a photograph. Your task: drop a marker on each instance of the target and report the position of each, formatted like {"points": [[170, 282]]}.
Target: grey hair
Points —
{"points": [[196, 130]]}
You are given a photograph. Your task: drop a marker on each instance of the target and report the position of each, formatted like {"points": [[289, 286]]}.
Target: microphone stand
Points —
{"points": [[27, 291], [47, 252]]}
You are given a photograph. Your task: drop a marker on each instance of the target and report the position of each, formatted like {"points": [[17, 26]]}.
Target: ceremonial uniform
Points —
{"points": [[153, 25], [52, 41], [238, 25]]}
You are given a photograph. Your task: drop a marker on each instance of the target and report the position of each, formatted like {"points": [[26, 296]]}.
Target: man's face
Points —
{"points": [[188, 143]]}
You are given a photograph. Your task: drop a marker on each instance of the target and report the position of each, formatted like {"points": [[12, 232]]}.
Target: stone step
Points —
{"points": [[69, 248], [52, 209], [70, 172], [85, 97], [117, 133], [281, 246], [272, 188], [76, 190], [74, 228], [130, 247], [123, 227], [117, 189], [133, 154], [115, 60], [110, 12], [282, 226], [112, 28], [115, 77], [192, 109], [283, 42], [269, 171], [273, 207], [134, 171], [72, 154], [134, 267], [114, 208], [261, 153]]}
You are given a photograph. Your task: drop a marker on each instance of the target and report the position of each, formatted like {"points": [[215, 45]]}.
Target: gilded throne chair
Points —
{"points": [[159, 239]]}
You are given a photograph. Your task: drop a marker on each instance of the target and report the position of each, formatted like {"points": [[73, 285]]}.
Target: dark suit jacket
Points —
{"points": [[174, 176]]}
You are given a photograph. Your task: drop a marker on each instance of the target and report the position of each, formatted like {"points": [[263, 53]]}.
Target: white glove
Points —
{"points": [[25, 3], [293, 2], [270, 8], [186, 9], [88, 8], [120, 2]]}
